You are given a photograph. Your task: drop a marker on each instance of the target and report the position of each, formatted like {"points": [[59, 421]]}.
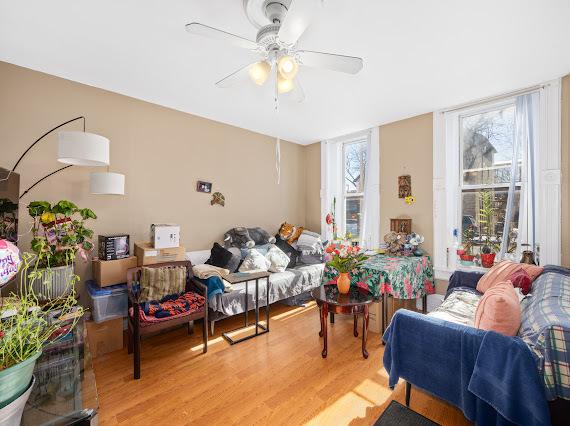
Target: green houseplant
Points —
{"points": [[59, 234], [487, 213], [24, 330]]}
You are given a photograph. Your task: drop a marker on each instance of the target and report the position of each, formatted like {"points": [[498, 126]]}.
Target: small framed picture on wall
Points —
{"points": [[202, 186]]}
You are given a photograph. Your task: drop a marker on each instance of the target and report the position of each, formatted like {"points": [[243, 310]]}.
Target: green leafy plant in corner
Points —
{"points": [[59, 232], [487, 213], [27, 326]]}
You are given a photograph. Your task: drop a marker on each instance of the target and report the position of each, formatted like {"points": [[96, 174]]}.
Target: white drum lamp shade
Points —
{"points": [[107, 183], [83, 149]]}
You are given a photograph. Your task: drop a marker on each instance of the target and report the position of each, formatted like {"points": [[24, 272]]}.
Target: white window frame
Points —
{"points": [[447, 178], [346, 195]]}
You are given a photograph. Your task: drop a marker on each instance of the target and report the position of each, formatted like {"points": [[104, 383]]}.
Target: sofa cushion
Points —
{"points": [[224, 258], [521, 279], [499, 310], [288, 249], [278, 259], [501, 271], [254, 261]]}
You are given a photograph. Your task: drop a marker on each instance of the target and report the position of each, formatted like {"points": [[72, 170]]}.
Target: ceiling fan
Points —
{"points": [[280, 24]]}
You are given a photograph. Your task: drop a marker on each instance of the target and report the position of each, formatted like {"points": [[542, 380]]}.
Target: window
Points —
{"points": [[477, 149], [354, 162], [486, 156]]}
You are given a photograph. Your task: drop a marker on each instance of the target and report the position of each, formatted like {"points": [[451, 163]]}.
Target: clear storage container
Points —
{"points": [[107, 303]]}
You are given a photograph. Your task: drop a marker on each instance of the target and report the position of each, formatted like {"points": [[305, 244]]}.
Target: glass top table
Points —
{"points": [[330, 294], [65, 391]]}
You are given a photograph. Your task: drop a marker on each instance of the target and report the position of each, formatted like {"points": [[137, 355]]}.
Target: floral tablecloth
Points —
{"points": [[400, 277]]}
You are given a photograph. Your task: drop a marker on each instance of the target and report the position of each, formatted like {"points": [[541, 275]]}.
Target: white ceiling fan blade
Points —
{"points": [[299, 16], [330, 61], [298, 94], [233, 78], [213, 33]]}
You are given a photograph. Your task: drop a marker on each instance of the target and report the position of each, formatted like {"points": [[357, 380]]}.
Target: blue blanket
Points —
{"points": [[492, 378], [214, 285]]}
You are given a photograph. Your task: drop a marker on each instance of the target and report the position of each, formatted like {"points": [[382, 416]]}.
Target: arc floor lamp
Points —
{"points": [[80, 148]]}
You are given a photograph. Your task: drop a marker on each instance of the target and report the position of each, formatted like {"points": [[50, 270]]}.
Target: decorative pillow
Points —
{"points": [[254, 261], [238, 237], [263, 249], [500, 272], [224, 258], [521, 279], [260, 236], [499, 310], [289, 232], [289, 250], [278, 259], [155, 283], [310, 259]]}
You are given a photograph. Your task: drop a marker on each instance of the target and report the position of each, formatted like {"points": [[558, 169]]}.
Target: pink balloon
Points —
{"points": [[9, 261]]}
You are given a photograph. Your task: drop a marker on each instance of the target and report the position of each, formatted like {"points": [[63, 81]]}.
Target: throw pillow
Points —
{"points": [[224, 258], [500, 272], [278, 259], [521, 279], [499, 310], [254, 261], [310, 259], [289, 250], [155, 283]]}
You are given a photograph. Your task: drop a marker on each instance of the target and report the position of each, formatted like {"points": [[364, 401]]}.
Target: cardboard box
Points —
{"points": [[105, 337], [147, 254], [112, 247], [164, 235], [375, 317], [112, 272]]}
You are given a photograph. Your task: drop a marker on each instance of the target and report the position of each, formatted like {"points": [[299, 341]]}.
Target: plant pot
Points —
{"points": [[53, 282], [14, 380], [487, 260], [343, 283], [11, 414], [466, 259]]}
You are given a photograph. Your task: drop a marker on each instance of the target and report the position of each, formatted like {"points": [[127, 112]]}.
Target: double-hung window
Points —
{"points": [[354, 166], [497, 180]]}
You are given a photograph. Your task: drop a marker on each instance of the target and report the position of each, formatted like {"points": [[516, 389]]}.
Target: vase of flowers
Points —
{"points": [[59, 236], [344, 259], [24, 330]]}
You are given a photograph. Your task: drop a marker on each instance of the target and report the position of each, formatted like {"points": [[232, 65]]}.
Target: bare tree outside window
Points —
{"points": [[354, 171]]}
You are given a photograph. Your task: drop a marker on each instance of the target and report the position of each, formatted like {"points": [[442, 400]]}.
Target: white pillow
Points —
{"points": [[278, 259], [254, 261]]}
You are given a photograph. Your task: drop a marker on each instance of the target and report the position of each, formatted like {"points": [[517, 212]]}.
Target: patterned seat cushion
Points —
{"points": [[170, 307]]}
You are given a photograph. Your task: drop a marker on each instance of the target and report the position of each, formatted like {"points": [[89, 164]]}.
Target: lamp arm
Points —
{"points": [[39, 139], [45, 177]]}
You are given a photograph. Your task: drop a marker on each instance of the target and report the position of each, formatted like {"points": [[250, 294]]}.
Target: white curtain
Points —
{"points": [[526, 116], [370, 219]]}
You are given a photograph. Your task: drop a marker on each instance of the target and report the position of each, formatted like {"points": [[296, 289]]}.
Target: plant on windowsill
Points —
{"points": [[24, 330], [466, 253], [59, 235], [344, 259], [486, 215]]}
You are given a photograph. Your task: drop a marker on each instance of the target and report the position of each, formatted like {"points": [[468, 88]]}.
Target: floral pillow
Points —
{"points": [[278, 259], [254, 261]]}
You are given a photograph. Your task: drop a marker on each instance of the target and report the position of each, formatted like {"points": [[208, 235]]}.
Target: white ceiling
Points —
{"points": [[419, 56]]}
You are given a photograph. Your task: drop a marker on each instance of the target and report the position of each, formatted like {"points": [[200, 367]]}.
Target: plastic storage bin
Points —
{"points": [[107, 303]]}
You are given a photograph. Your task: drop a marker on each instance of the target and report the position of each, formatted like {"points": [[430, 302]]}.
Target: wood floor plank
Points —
{"points": [[274, 379]]}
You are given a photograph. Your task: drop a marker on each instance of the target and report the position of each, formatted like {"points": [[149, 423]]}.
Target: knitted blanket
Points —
{"points": [[173, 305]]}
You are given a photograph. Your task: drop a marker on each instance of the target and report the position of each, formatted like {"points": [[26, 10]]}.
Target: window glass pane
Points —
{"points": [[354, 164], [483, 218], [487, 147], [353, 212]]}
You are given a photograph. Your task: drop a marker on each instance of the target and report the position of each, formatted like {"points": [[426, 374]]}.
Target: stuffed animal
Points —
{"points": [[395, 242], [260, 236], [238, 237], [289, 232]]}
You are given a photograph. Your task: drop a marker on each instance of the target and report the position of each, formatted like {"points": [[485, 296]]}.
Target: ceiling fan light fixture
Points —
{"points": [[284, 85], [259, 72], [288, 67]]}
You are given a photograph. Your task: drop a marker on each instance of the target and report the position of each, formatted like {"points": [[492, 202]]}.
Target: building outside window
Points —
{"points": [[354, 162]]}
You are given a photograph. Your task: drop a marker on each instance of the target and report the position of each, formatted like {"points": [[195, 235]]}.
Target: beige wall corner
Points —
{"points": [[312, 154], [406, 148]]}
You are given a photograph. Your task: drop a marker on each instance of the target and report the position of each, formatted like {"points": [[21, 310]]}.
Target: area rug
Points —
{"points": [[399, 415]]}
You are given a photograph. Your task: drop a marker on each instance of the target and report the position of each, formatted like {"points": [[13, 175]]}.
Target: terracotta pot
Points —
{"points": [[488, 260], [467, 257], [343, 283]]}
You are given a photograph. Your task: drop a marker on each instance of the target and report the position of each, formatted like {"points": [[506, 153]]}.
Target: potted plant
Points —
{"points": [[344, 258], [466, 255], [59, 235], [486, 216], [24, 329]]}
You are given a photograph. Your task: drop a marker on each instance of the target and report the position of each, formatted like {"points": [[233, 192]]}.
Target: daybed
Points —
{"points": [[283, 285], [492, 378]]}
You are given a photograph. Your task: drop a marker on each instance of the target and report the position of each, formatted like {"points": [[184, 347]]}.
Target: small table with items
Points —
{"points": [[65, 392], [354, 303], [402, 277], [245, 277]]}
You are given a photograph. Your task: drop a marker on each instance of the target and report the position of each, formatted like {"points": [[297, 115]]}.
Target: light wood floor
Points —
{"points": [[277, 378]]}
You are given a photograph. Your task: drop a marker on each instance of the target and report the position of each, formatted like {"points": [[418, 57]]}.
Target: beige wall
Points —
{"points": [[313, 186], [161, 151], [565, 111]]}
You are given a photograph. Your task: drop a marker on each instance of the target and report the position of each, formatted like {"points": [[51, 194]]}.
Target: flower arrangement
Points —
{"points": [[59, 232], [344, 258]]}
